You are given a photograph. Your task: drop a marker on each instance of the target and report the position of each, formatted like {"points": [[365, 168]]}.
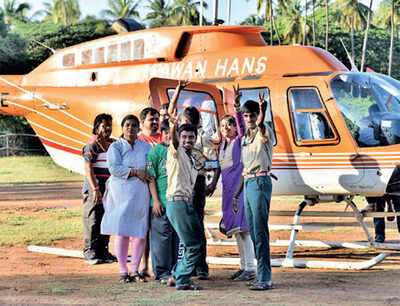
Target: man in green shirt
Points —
{"points": [[163, 240]]}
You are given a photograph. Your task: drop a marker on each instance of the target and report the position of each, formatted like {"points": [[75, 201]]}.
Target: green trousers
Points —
{"points": [[186, 223]]}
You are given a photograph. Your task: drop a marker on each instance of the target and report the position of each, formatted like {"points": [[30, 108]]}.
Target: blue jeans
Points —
{"points": [[187, 225], [164, 244], [257, 199]]}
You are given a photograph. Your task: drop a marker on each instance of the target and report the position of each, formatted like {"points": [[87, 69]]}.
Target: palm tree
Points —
{"points": [[62, 11], [12, 11], [326, 23], [293, 23], [366, 37], [121, 9], [185, 12], [159, 13], [395, 14], [350, 15], [254, 20]]}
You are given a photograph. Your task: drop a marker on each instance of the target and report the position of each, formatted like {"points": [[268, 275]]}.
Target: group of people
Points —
{"points": [[148, 189]]}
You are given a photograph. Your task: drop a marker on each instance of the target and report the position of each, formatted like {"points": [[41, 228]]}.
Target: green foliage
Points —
{"points": [[40, 227], [12, 54], [33, 169]]}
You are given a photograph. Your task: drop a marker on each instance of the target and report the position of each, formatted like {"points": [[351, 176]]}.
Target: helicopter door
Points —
{"points": [[325, 162], [206, 98]]}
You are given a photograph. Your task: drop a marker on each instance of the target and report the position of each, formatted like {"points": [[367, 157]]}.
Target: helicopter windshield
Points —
{"points": [[370, 106]]}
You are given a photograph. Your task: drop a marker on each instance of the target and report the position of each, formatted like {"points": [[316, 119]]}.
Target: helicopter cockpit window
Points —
{"points": [[206, 106], [252, 94], [370, 106], [309, 117]]}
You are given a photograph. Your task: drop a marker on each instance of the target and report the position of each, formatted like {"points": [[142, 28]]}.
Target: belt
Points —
{"points": [[258, 174], [179, 198]]}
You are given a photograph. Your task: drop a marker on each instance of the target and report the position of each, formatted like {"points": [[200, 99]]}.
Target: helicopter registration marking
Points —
{"points": [[224, 67]]}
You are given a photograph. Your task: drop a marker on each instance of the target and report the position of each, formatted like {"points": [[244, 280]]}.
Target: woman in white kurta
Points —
{"points": [[126, 200]]}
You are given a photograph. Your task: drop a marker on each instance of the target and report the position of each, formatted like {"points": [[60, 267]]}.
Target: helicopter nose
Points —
{"points": [[393, 186]]}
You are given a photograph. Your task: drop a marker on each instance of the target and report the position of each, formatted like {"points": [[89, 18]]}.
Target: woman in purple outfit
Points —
{"points": [[232, 130]]}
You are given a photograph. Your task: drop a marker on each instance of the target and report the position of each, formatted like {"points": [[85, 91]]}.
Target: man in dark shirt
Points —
{"points": [[94, 154]]}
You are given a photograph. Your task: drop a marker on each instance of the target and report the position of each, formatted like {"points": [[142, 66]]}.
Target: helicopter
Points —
{"points": [[327, 145]]}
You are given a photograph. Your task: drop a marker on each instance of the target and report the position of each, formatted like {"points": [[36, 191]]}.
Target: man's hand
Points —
{"points": [[238, 96], [263, 108], [157, 208], [182, 84]]}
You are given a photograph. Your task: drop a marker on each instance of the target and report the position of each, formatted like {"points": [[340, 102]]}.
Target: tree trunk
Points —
{"points": [[391, 40], [305, 24], [364, 51], [271, 23], [327, 24], [313, 22], [352, 38], [276, 31]]}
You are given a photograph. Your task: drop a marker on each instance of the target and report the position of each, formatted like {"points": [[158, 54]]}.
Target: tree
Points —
{"points": [[159, 13], [326, 23], [121, 9], [62, 11], [293, 24], [185, 12], [366, 37], [350, 15], [12, 11]]}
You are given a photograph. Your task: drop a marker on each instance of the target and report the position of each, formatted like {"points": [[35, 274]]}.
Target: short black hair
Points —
{"points": [[188, 128], [98, 120], [230, 119], [250, 106], [164, 106], [148, 110], [192, 114], [130, 117], [164, 126]]}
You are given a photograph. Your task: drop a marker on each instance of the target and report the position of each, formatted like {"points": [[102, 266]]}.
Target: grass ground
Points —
{"points": [[33, 169]]}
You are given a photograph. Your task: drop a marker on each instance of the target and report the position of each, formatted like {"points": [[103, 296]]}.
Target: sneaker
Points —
{"points": [[371, 207], [109, 258], [203, 276], [188, 286], [164, 279], [246, 276], [94, 261], [262, 285], [236, 274]]}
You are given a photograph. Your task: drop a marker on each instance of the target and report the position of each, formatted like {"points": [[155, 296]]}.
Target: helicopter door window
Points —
{"points": [[310, 119], [252, 94], [206, 106]]}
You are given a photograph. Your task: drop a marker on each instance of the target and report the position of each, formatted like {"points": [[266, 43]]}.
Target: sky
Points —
{"points": [[240, 9]]}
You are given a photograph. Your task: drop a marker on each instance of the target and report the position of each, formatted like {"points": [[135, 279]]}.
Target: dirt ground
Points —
{"points": [[28, 278]]}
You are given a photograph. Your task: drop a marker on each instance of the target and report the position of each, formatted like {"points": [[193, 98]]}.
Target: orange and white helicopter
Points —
{"points": [[328, 146]]}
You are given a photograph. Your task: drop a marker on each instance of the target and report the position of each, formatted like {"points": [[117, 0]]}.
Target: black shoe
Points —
{"points": [[203, 276], [138, 277], [109, 258], [188, 286], [94, 261], [125, 278], [262, 285], [380, 239]]}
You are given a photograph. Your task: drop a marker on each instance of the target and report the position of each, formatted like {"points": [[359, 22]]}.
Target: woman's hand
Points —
{"points": [[144, 176], [238, 96]]}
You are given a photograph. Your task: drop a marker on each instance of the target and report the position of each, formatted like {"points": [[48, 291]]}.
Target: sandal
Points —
{"points": [[236, 274], [246, 276], [138, 277], [188, 286], [124, 278]]}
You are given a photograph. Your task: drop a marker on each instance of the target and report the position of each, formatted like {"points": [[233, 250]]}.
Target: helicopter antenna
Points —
{"points": [[43, 45], [353, 66]]}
